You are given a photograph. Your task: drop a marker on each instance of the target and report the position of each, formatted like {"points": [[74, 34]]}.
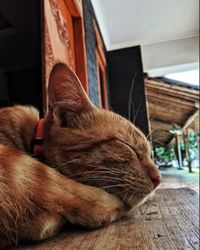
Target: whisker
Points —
{"points": [[135, 118], [102, 169], [116, 170], [115, 173], [133, 106], [129, 200], [126, 195], [158, 139], [100, 174], [126, 190], [150, 133], [117, 185], [103, 178], [131, 95]]}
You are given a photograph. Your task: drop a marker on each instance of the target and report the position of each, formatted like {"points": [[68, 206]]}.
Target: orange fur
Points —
{"points": [[103, 160]]}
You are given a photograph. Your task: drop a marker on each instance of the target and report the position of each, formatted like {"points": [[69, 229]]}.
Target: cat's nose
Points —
{"points": [[156, 179], [153, 172]]}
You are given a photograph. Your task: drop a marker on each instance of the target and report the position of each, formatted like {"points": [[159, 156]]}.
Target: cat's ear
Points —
{"points": [[67, 97]]}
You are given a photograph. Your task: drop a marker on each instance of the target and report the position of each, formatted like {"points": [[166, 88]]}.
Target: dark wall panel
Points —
{"points": [[20, 39], [124, 65], [24, 87], [20, 53]]}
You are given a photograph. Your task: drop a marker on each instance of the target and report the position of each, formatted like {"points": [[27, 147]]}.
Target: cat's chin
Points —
{"points": [[147, 198]]}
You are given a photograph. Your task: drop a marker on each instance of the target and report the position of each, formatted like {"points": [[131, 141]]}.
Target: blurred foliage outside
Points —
{"points": [[166, 156]]}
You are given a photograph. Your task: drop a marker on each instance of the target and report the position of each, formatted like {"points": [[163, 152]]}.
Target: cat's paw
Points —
{"points": [[96, 212], [104, 212]]}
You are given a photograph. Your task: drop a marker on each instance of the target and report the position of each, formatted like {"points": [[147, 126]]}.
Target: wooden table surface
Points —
{"points": [[169, 221]]}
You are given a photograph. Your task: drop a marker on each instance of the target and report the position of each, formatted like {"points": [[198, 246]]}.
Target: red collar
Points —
{"points": [[38, 140]]}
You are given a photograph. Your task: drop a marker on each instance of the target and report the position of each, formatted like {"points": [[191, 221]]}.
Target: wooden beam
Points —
{"points": [[160, 122], [163, 102], [190, 119], [179, 151], [168, 111], [151, 95], [170, 86], [169, 105], [170, 91], [173, 93]]}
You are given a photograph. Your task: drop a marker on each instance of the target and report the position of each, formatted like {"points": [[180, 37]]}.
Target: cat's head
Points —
{"points": [[95, 146]]}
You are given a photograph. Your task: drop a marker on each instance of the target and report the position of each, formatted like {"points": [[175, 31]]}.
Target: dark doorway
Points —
{"points": [[20, 53]]}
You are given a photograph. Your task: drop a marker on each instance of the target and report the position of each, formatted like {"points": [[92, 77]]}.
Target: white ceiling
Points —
{"points": [[148, 23]]}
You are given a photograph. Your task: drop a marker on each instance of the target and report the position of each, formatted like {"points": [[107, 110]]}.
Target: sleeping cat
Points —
{"points": [[100, 164]]}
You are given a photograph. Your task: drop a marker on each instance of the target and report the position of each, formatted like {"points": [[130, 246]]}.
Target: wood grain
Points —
{"points": [[169, 221], [63, 39]]}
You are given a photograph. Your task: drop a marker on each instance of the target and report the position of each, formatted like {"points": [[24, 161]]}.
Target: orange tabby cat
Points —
{"points": [[103, 160]]}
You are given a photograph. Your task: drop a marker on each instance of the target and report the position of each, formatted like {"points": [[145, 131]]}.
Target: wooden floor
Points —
{"points": [[175, 178], [169, 221]]}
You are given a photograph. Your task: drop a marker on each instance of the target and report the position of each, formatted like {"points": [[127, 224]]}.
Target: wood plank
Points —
{"points": [[159, 122], [163, 90], [191, 118], [168, 115], [168, 103], [151, 95], [170, 109], [168, 222], [162, 85], [175, 94]]}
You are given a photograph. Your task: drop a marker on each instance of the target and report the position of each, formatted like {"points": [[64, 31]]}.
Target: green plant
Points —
{"points": [[164, 153]]}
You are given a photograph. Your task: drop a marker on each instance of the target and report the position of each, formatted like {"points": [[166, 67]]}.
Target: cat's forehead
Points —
{"points": [[125, 129]]}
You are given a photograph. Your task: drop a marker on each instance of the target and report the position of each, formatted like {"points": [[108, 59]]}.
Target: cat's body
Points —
{"points": [[97, 150]]}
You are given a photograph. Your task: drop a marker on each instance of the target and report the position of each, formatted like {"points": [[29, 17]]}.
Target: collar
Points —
{"points": [[38, 140]]}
